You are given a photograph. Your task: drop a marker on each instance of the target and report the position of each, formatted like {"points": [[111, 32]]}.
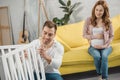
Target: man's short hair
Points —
{"points": [[50, 24]]}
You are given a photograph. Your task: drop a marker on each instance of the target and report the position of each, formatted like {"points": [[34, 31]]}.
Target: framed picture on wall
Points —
{"points": [[5, 26]]}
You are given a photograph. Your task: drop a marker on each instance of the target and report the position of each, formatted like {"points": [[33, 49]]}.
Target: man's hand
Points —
{"points": [[25, 54], [42, 52]]}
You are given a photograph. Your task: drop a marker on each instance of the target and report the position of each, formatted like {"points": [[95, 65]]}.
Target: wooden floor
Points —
{"points": [[114, 74]]}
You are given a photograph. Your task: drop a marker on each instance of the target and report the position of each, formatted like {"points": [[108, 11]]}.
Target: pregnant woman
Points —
{"points": [[99, 32]]}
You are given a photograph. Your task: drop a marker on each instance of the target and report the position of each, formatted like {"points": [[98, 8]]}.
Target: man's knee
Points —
{"points": [[53, 76]]}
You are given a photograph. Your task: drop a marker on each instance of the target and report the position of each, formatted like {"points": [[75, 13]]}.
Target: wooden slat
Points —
{"points": [[29, 68], [2, 7], [4, 27], [35, 62], [6, 69], [17, 67]]}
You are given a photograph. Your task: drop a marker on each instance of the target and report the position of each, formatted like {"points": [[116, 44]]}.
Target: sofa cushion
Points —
{"points": [[71, 34], [77, 56], [80, 55], [116, 51], [66, 47], [115, 41], [116, 26]]}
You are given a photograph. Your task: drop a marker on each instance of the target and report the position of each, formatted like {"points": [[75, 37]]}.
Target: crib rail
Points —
{"points": [[17, 66]]}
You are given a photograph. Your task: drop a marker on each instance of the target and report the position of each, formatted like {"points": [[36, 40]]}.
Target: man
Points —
{"points": [[50, 50]]}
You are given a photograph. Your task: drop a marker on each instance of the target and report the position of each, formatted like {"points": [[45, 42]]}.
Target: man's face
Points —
{"points": [[48, 35]]}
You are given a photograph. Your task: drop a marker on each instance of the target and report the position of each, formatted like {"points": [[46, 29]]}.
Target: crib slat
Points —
{"points": [[3, 52], [30, 67], [24, 65], [17, 67], [35, 62], [41, 67], [6, 70], [12, 67]]}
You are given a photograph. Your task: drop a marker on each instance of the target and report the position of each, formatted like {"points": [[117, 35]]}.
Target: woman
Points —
{"points": [[99, 32]]}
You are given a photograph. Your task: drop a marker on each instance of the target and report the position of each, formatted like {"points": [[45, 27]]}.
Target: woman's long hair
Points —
{"points": [[105, 17]]}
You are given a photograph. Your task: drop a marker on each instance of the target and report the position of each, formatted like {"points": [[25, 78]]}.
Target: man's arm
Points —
{"points": [[55, 61]]}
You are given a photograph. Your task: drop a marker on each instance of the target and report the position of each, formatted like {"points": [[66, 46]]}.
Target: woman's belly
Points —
{"points": [[97, 42]]}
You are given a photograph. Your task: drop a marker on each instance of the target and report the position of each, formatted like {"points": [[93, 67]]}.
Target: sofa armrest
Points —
{"points": [[66, 47]]}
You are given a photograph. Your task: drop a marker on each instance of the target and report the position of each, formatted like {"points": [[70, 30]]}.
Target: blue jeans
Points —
{"points": [[50, 76], [53, 76], [100, 60]]}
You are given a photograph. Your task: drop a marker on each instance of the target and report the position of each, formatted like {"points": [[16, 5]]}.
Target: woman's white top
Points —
{"points": [[95, 31]]}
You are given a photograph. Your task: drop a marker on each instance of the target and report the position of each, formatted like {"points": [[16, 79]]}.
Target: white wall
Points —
{"points": [[17, 8], [84, 11], [16, 12], [114, 7]]}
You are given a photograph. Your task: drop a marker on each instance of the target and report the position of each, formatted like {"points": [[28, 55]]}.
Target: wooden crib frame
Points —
{"points": [[15, 66]]}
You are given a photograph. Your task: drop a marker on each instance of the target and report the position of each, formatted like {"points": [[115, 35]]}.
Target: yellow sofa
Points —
{"points": [[76, 57]]}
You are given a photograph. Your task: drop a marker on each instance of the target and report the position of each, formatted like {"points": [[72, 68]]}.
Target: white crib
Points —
{"points": [[15, 66]]}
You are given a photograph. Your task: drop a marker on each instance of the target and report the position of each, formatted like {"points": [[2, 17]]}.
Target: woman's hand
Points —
{"points": [[98, 46], [99, 36]]}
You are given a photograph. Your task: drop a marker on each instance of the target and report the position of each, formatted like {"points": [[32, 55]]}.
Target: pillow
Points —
{"points": [[66, 47], [116, 26], [71, 34]]}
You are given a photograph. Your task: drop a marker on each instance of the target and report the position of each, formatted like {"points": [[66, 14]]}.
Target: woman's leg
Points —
{"points": [[53, 76], [104, 62], [95, 53]]}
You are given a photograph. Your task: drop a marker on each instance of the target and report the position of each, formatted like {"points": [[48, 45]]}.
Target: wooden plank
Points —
{"points": [[4, 27], [2, 7]]}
